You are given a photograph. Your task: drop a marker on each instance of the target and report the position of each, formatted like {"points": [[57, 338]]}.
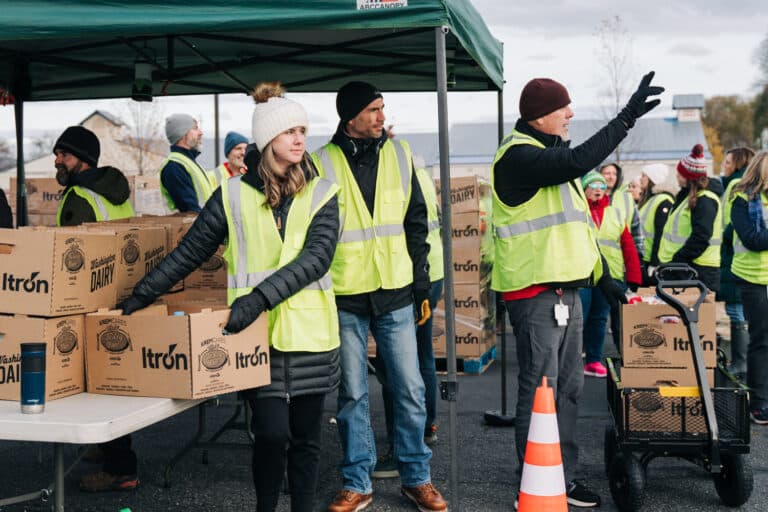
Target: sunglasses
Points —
{"points": [[597, 185]]}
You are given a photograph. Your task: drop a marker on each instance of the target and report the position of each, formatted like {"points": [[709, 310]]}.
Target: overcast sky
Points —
{"points": [[698, 46]]}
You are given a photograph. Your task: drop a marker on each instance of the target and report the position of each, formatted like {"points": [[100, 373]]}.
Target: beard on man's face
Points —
{"points": [[64, 175]]}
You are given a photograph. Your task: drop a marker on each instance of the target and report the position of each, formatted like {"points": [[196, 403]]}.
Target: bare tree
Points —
{"points": [[42, 144], [144, 133], [761, 59], [614, 54]]}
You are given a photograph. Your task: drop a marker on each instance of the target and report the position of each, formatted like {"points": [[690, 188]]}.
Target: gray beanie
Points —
{"points": [[177, 126]]}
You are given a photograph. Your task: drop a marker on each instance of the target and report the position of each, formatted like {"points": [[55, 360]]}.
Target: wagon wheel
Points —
{"points": [[735, 481], [610, 447], [626, 479]]}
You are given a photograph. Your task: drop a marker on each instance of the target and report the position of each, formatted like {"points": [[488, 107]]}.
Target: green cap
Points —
{"points": [[591, 177]]}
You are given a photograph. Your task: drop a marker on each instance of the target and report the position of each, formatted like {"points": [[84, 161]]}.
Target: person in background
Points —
{"points": [[91, 193], [281, 223], [693, 231], [6, 215], [234, 151], [654, 207], [618, 249], [185, 185], [386, 465], [749, 212], [545, 249], [635, 190], [734, 165], [381, 279]]}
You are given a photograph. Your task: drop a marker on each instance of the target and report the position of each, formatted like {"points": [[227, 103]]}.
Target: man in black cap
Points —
{"points": [[380, 273], [91, 193], [545, 249]]}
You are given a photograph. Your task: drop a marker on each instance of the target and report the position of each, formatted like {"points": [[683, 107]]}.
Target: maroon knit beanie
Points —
{"points": [[693, 166], [542, 96]]}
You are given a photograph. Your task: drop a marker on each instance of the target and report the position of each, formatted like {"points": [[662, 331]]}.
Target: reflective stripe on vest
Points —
{"points": [[435, 256], [550, 238], [609, 238], [102, 209], [648, 219], [201, 180], [678, 228], [372, 251], [752, 266], [308, 320]]}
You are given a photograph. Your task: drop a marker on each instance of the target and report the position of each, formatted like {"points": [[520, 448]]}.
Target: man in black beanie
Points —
{"points": [[91, 193], [380, 273], [537, 201]]}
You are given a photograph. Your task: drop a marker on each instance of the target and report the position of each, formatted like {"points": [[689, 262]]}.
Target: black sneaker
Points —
{"points": [[580, 496], [760, 415], [386, 466]]}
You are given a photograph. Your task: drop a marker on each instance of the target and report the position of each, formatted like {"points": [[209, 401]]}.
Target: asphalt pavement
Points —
{"points": [[485, 461]]}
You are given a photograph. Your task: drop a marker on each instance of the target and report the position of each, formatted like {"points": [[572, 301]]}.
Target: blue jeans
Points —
{"points": [[395, 336], [735, 311], [426, 367], [596, 310]]}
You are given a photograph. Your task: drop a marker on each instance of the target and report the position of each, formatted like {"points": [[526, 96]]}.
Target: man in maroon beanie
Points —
{"points": [[545, 249]]}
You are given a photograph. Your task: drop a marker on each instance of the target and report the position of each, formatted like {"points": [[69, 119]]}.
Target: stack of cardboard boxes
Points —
{"points": [[472, 248], [656, 353]]}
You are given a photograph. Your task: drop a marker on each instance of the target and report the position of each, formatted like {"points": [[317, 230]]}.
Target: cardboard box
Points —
{"points": [[654, 336], [64, 360], [472, 301], [148, 200], [472, 247], [473, 338], [657, 377], [468, 194], [158, 354], [648, 411], [56, 271]]}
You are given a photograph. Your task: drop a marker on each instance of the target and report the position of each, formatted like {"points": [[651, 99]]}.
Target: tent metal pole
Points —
{"points": [[501, 418], [22, 219], [449, 387], [216, 130]]}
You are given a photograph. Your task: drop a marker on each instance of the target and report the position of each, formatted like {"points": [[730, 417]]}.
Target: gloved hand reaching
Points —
{"points": [[637, 106], [612, 291], [132, 304], [245, 310], [421, 303]]}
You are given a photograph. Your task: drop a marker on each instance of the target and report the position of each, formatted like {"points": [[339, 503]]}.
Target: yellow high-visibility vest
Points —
{"points": [[609, 239], [647, 218], [435, 257], [201, 180], [103, 209], [678, 228], [752, 266]]}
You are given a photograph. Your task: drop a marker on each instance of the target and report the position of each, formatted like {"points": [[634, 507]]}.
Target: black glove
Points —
{"points": [[612, 291], [132, 304], [245, 310], [633, 287], [637, 106], [421, 304]]}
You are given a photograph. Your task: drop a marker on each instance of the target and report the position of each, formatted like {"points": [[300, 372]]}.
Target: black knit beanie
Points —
{"points": [[81, 142], [542, 96], [353, 97]]}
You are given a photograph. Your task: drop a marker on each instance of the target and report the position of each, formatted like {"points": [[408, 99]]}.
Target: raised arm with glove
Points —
{"points": [[637, 106]]}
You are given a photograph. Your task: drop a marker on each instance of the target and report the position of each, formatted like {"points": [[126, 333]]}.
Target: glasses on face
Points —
{"points": [[597, 185]]}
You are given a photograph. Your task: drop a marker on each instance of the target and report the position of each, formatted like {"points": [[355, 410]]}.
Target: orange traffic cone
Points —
{"points": [[542, 487]]}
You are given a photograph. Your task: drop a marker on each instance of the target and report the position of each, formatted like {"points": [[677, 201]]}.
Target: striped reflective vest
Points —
{"points": [[307, 321], [201, 180], [609, 239], [647, 219], [678, 228], [622, 199], [435, 257], [752, 266], [103, 209], [372, 251], [548, 239]]}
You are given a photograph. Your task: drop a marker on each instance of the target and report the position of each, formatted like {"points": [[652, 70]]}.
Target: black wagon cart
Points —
{"points": [[707, 426]]}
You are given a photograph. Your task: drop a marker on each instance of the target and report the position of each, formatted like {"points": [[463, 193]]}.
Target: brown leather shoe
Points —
{"points": [[426, 497], [351, 501]]}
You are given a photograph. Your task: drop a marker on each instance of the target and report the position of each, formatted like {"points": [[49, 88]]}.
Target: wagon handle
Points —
{"points": [[687, 313]]}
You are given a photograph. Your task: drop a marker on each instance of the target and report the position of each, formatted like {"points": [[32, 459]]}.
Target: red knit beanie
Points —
{"points": [[542, 96], [693, 166]]}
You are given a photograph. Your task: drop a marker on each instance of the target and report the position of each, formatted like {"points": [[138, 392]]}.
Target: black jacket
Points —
{"points": [[363, 158], [6, 216], [292, 373], [524, 169], [108, 182], [702, 223]]}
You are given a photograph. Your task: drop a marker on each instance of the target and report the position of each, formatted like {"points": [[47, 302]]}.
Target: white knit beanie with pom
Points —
{"points": [[274, 117]]}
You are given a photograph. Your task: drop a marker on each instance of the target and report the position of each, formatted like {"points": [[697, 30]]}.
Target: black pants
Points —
{"points": [[119, 459], [286, 433]]}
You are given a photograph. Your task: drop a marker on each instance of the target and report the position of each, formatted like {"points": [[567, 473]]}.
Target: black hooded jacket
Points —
{"points": [[108, 182], [293, 373], [363, 158]]}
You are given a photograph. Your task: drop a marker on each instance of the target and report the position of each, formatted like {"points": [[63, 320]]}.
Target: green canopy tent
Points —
{"points": [[83, 49]]}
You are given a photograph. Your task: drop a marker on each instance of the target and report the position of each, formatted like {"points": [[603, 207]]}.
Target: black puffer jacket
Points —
{"points": [[293, 373], [107, 181]]}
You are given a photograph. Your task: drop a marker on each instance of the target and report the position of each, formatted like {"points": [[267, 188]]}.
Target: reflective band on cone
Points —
{"points": [[542, 487]]}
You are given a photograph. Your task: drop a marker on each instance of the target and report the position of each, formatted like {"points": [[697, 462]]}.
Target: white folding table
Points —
{"points": [[84, 419]]}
